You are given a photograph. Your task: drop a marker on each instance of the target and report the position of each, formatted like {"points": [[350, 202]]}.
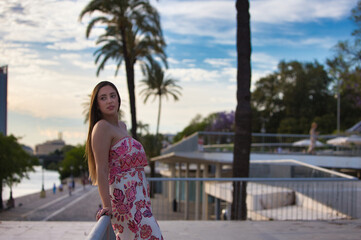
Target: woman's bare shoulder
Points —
{"points": [[122, 125], [101, 126]]}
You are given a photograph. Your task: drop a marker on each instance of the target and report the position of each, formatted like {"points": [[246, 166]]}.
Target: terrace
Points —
{"points": [[194, 180]]}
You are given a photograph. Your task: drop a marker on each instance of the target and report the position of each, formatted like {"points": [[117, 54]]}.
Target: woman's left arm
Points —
{"points": [[101, 140]]}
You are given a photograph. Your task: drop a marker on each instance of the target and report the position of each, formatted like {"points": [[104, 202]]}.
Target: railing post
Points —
{"points": [[204, 195], [171, 190], [186, 210], [179, 186], [198, 190], [217, 206]]}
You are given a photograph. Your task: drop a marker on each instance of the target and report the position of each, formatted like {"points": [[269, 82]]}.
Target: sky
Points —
{"points": [[51, 69]]}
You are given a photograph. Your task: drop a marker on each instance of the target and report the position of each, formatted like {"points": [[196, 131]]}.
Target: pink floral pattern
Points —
{"points": [[131, 206]]}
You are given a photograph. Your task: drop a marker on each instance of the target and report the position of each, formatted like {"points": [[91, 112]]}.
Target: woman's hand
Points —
{"points": [[104, 211]]}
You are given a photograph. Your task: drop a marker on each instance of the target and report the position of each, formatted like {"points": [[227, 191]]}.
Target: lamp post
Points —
{"points": [[42, 193], [61, 182], [81, 176], [72, 177], [263, 131], [338, 108]]}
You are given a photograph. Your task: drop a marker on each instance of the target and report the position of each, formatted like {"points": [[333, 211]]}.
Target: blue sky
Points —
{"points": [[52, 70]]}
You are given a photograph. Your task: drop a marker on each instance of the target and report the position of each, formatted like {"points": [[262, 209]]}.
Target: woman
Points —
{"points": [[116, 164], [313, 138]]}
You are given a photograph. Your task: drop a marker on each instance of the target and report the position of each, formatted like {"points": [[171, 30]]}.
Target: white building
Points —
{"points": [[49, 146]]}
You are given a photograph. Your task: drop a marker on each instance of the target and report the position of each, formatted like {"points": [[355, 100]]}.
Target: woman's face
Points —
{"points": [[107, 100]]}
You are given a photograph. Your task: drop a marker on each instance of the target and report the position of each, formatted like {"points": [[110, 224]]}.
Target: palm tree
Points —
{"points": [[132, 32], [143, 127], [242, 140], [158, 85]]}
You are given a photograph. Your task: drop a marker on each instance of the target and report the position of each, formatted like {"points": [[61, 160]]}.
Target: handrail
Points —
{"points": [[102, 230], [256, 179]]}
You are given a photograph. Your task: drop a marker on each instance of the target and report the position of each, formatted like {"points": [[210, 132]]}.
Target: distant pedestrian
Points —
{"points": [[83, 182], [313, 138], [54, 188], [60, 187], [69, 187]]}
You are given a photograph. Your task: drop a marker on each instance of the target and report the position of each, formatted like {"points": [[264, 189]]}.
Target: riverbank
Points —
{"points": [[33, 184]]}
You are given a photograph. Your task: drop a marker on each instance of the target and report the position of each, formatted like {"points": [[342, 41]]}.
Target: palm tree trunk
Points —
{"points": [[1, 196], [152, 164], [159, 108], [129, 68], [131, 91], [242, 141]]}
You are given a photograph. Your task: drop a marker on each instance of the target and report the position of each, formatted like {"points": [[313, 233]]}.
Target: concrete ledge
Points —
{"points": [[196, 230]]}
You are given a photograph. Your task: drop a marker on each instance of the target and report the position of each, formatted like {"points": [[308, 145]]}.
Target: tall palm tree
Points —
{"points": [[243, 117], [143, 127], [158, 85], [132, 32]]}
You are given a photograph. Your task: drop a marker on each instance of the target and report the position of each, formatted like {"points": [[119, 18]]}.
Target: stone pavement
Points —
{"points": [[81, 205], [61, 216]]}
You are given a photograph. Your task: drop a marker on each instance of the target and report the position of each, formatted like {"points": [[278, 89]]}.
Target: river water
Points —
{"points": [[33, 184]]}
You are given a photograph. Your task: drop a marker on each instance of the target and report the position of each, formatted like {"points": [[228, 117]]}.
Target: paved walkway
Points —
{"points": [[81, 205], [61, 216]]}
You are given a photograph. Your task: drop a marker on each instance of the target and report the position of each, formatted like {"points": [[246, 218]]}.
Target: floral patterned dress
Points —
{"points": [[129, 192]]}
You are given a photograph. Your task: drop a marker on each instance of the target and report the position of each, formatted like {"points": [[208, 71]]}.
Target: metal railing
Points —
{"points": [[102, 230], [261, 143], [267, 199]]}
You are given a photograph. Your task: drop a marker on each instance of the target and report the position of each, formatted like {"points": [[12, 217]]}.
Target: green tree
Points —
{"points": [[15, 163], [143, 127], [348, 52], [197, 124], [132, 32], [74, 162], [296, 93], [351, 49], [243, 114]]}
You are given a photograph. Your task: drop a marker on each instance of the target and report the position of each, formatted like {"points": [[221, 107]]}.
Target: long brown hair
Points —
{"points": [[94, 116]]}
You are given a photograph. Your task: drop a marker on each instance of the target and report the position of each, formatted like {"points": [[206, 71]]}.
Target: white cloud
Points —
{"points": [[325, 42], [217, 19], [196, 75], [219, 62], [214, 19], [263, 61], [172, 61], [69, 134], [197, 98], [43, 22], [280, 11]]}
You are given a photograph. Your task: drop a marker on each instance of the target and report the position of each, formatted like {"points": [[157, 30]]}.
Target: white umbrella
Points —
{"points": [[345, 141], [306, 143]]}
